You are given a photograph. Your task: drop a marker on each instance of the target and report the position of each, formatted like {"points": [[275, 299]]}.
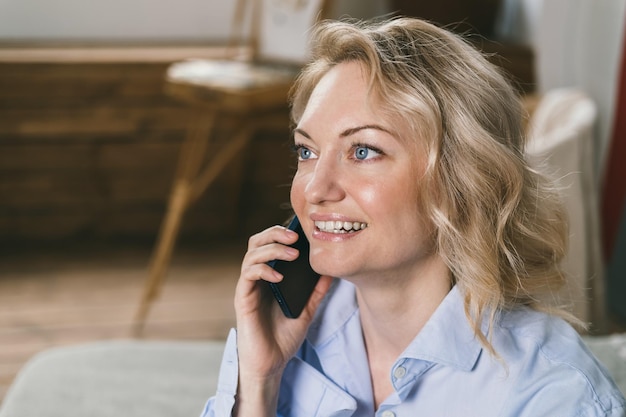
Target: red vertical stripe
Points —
{"points": [[614, 193]]}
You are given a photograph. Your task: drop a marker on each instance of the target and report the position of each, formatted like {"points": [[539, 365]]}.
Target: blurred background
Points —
{"points": [[90, 139]]}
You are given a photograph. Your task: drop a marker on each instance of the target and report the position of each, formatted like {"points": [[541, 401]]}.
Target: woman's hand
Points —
{"points": [[266, 339]]}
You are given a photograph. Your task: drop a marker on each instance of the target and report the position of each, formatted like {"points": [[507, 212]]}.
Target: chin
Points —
{"points": [[335, 263], [331, 269], [324, 269]]}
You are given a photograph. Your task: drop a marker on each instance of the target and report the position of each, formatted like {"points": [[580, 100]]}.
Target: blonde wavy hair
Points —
{"points": [[500, 225]]}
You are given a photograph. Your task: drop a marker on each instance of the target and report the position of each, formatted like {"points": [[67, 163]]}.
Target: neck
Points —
{"points": [[394, 309]]}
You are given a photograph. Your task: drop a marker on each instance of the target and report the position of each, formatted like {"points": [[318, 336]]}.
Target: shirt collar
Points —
{"points": [[336, 309], [447, 338]]}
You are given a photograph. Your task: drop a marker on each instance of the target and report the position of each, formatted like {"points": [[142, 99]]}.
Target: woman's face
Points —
{"points": [[357, 184]]}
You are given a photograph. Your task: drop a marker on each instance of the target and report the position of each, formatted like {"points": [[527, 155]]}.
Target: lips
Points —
{"points": [[336, 226]]}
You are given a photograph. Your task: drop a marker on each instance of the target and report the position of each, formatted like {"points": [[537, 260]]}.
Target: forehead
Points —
{"points": [[343, 95], [346, 94], [339, 79]]}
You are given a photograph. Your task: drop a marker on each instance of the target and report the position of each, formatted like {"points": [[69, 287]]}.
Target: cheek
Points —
{"points": [[296, 195], [396, 194], [401, 203], [369, 194]]}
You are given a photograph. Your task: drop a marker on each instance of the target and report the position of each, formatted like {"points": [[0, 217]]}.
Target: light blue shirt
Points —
{"points": [[545, 369]]}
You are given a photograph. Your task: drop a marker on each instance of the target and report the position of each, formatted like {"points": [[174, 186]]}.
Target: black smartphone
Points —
{"points": [[299, 279]]}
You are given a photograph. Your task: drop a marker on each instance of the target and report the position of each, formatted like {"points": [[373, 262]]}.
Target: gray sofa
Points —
{"points": [[156, 379]]}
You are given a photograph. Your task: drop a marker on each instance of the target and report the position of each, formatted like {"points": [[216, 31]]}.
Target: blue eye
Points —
{"points": [[303, 153], [363, 152]]}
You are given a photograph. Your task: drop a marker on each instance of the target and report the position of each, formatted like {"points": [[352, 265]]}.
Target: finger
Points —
{"points": [[267, 253], [319, 292], [278, 234], [261, 271], [255, 268], [255, 296], [249, 290]]}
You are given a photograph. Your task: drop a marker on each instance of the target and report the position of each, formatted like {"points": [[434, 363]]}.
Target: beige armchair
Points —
{"points": [[561, 135]]}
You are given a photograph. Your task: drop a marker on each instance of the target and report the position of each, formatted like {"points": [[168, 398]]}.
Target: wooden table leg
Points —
{"points": [[190, 160], [220, 160], [191, 182]]}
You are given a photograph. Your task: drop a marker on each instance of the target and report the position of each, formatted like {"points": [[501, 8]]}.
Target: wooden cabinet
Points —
{"points": [[88, 149]]}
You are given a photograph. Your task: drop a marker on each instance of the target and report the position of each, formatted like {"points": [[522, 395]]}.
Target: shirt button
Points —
{"points": [[388, 413], [399, 372]]}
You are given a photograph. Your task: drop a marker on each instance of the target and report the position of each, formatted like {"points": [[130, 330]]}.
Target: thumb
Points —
{"points": [[319, 292]]}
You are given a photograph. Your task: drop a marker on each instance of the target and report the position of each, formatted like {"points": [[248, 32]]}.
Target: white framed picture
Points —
{"points": [[284, 29]]}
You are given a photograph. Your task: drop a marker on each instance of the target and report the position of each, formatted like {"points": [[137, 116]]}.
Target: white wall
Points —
{"points": [[578, 43], [135, 20], [114, 19]]}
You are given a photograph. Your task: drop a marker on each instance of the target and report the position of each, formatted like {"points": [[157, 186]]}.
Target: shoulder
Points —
{"points": [[552, 367], [524, 330]]}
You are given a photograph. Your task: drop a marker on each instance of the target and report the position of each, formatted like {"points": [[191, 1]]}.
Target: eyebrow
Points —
{"points": [[349, 132]]}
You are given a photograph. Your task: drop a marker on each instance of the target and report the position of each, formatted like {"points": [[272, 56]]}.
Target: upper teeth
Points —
{"points": [[339, 226]]}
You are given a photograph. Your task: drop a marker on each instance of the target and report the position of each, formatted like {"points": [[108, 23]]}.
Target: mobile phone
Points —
{"points": [[299, 279]]}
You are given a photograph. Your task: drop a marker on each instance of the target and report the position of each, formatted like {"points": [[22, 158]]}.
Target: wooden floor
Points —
{"points": [[83, 293]]}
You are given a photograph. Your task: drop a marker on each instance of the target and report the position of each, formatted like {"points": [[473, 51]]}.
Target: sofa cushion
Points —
{"points": [[158, 379], [116, 378]]}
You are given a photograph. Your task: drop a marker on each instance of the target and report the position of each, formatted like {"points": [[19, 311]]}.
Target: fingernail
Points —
{"points": [[291, 251]]}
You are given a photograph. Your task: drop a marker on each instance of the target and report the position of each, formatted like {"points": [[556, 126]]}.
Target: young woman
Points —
{"points": [[434, 239]]}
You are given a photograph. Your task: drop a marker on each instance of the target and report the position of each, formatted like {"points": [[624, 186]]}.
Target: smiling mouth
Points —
{"points": [[339, 226]]}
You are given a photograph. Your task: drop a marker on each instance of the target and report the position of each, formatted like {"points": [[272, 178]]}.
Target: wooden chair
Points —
{"points": [[251, 89]]}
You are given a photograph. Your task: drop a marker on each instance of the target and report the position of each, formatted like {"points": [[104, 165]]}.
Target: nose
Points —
{"points": [[324, 183]]}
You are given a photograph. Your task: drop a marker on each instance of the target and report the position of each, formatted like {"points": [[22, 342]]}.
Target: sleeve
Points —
{"points": [[221, 405]]}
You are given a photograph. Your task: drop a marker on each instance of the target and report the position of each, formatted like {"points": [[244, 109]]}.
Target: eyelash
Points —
{"points": [[357, 145]]}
